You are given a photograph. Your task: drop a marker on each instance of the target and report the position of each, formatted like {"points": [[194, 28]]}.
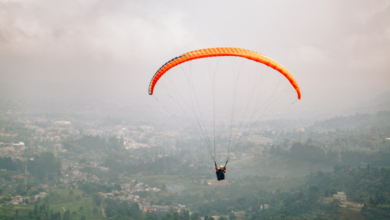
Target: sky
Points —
{"points": [[338, 51]]}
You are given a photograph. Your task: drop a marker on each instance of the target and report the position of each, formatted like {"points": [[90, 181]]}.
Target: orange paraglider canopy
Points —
{"points": [[222, 51]]}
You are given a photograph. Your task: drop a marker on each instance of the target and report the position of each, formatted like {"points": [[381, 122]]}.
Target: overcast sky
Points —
{"points": [[338, 51]]}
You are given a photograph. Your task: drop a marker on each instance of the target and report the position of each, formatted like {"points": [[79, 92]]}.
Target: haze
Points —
{"points": [[337, 51], [221, 138]]}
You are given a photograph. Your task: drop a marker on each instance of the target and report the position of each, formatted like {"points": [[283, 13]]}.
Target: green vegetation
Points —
{"points": [[274, 175], [176, 183], [53, 206], [117, 209], [260, 140], [91, 188], [274, 165]]}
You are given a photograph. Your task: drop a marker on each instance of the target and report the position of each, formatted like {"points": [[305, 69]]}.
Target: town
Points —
{"points": [[160, 169]]}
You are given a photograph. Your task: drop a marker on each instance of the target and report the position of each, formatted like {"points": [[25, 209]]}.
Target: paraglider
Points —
{"points": [[220, 172], [222, 94], [223, 51]]}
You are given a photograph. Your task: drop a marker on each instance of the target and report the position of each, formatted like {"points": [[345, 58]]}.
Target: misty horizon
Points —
{"points": [[290, 121]]}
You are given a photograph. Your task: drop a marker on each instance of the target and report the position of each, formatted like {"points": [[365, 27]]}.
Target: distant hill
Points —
{"points": [[380, 103], [364, 121], [274, 165]]}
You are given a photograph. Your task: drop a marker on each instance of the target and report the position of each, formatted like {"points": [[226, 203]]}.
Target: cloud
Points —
{"points": [[311, 55], [93, 29], [365, 11], [342, 45]]}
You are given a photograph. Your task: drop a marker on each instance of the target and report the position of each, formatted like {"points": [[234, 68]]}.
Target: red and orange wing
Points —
{"points": [[222, 51]]}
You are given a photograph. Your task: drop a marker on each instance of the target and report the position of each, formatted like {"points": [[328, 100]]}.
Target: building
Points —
{"points": [[18, 144], [240, 214], [40, 195], [340, 196], [62, 123], [148, 209]]}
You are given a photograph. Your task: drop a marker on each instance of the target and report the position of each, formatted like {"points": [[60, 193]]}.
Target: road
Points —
{"points": [[101, 206]]}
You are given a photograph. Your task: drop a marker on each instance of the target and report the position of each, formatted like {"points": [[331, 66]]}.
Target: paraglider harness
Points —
{"points": [[220, 172]]}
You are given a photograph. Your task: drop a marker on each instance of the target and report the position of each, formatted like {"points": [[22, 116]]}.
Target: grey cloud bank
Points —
{"points": [[337, 51]]}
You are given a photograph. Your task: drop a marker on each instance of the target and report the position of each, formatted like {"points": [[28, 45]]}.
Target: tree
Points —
{"points": [[185, 214], [30, 214], [97, 198], [232, 216], [118, 187], [313, 194], [42, 208], [35, 210], [176, 216], [67, 215], [20, 190], [83, 218], [195, 216]]}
